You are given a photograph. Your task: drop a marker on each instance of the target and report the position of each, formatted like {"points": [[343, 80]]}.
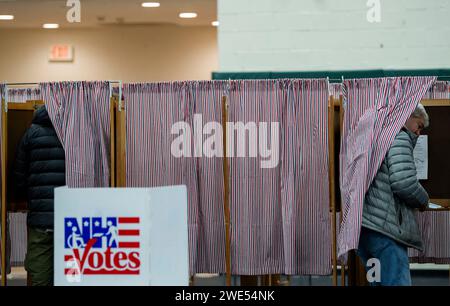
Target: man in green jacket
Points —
{"points": [[389, 224]]}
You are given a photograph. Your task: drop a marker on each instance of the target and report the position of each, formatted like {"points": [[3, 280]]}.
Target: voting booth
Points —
{"points": [[121, 236]]}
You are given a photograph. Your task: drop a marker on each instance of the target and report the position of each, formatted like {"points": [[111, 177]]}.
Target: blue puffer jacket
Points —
{"points": [[395, 194], [39, 168]]}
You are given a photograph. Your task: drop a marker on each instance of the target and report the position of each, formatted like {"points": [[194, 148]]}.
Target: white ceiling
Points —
{"points": [[95, 13]]}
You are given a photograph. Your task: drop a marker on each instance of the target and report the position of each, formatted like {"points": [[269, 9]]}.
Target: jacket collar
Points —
{"points": [[41, 117], [411, 135]]}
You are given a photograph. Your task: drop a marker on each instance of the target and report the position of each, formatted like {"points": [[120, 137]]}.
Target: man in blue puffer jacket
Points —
{"points": [[39, 169], [389, 224]]}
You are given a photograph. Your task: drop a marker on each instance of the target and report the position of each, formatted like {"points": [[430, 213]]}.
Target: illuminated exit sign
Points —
{"points": [[61, 53]]}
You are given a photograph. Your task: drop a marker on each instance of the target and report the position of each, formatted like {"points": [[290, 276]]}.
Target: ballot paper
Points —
{"points": [[434, 206], [421, 157]]}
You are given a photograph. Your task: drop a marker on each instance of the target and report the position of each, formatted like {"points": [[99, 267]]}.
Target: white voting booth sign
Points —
{"points": [[121, 236]]}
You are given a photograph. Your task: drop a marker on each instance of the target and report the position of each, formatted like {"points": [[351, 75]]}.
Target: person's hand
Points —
{"points": [[423, 207]]}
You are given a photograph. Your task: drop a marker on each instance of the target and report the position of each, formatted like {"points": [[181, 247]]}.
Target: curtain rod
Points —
{"points": [[17, 84], [120, 82], [387, 76], [37, 83]]}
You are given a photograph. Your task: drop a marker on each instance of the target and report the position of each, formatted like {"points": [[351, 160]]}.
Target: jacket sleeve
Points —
{"points": [[21, 163], [403, 174]]}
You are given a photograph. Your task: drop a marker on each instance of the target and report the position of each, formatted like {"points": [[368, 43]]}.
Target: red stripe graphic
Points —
{"points": [[125, 220], [129, 245], [103, 272], [129, 232]]}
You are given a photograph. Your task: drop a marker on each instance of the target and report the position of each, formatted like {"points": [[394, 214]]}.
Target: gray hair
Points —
{"points": [[420, 112]]}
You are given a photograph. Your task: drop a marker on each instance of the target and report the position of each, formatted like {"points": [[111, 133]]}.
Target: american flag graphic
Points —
{"points": [[105, 246]]}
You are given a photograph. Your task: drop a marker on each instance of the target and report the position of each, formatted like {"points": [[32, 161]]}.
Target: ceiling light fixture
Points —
{"points": [[188, 15], [6, 17], [151, 4], [215, 23], [50, 26]]}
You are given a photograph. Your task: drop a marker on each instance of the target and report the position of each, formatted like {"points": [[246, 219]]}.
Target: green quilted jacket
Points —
{"points": [[395, 194]]}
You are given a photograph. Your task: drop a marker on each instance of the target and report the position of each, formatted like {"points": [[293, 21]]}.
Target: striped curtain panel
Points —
{"points": [[279, 214], [257, 244], [304, 179], [335, 90], [374, 112], [439, 90], [434, 226], [21, 95], [80, 113], [2, 96], [205, 99], [274, 221], [18, 232], [435, 230], [152, 111]]}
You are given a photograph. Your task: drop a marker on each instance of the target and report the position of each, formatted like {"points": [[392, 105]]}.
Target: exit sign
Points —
{"points": [[61, 53]]}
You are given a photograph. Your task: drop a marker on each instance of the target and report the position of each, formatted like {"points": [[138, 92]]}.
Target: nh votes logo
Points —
{"points": [[101, 246]]}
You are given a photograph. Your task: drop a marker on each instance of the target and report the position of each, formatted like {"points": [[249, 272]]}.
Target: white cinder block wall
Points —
{"points": [[313, 35]]}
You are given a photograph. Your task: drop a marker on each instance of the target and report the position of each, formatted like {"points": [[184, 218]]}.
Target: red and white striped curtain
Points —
{"points": [[305, 179], [256, 209], [335, 90], [434, 226], [205, 100], [80, 113], [374, 112], [2, 96], [152, 110], [439, 90], [21, 95], [18, 233], [279, 216], [435, 230]]}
